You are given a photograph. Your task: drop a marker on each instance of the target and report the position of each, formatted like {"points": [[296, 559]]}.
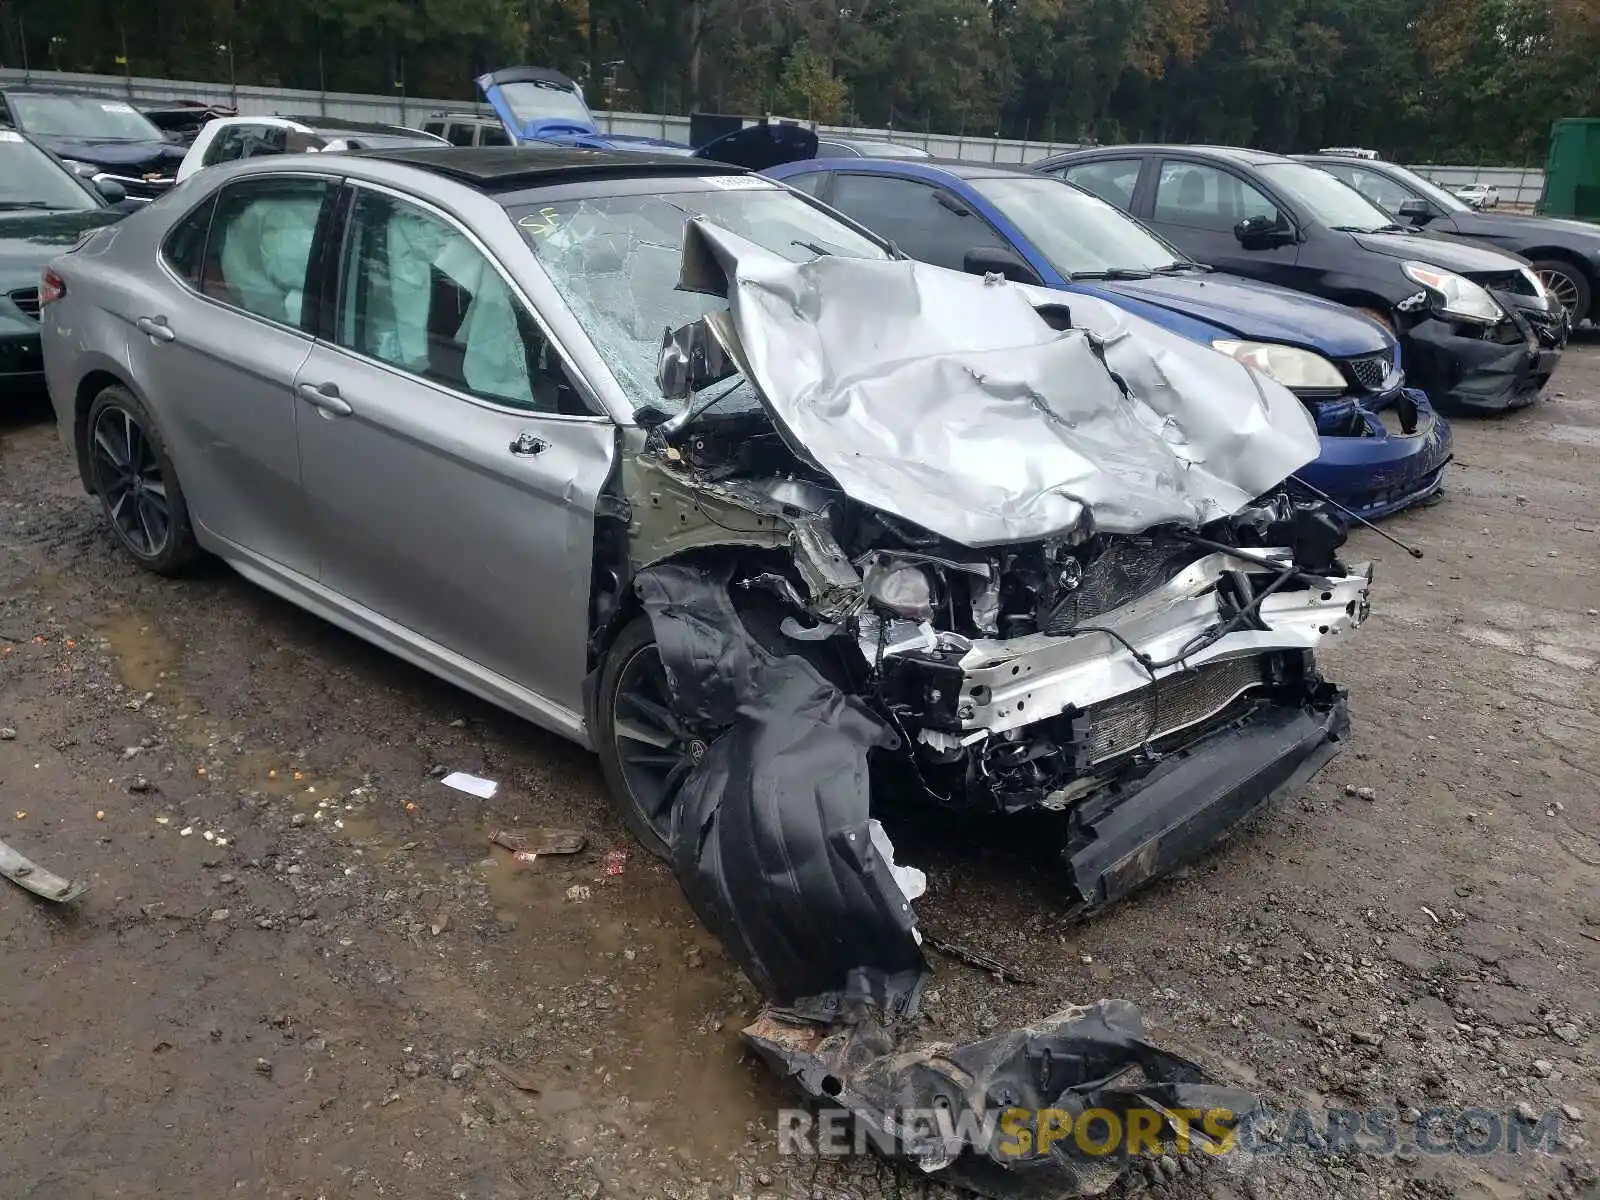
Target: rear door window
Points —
{"points": [[1112, 179], [460, 134], [493, 135], [259, 249], [185, 247]]}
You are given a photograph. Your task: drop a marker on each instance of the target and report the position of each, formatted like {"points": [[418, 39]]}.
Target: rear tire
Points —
{"points": [[138, 487], [1568, 285]]}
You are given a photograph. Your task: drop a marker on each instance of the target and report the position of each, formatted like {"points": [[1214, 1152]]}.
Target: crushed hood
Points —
{"points": [[982, 411]]}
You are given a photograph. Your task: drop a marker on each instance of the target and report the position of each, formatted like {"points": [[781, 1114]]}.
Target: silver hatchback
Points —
{"points": [[673, 460]]}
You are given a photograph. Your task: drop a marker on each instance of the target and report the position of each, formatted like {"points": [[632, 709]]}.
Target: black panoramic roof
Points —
{"points": [[501, 168]]}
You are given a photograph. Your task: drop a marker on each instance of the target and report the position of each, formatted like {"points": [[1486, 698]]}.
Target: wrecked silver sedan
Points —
{"points": [[668, 459]]}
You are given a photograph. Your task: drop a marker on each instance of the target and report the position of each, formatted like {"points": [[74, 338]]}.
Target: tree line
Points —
{"points": [[1475, 81]]}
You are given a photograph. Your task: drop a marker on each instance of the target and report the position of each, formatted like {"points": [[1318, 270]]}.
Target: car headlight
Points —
{"points": [[1298, 370], [86, 170], [903, 589], [1453, 295], [1543, 297]]}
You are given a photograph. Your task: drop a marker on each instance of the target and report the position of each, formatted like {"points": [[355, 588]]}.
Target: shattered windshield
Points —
{"points": [[615, 261]]}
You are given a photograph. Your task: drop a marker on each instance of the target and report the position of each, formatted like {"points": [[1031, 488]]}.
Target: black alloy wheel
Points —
{"points": [[137, 486], [646, 749], [1566, 285]]}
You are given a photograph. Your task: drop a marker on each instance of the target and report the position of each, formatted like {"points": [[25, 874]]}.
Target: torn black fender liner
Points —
{"points": [[1005, 1116], [773, 845], [771, 837], [1188, 803]]}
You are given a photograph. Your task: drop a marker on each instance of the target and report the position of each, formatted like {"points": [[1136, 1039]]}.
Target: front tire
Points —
{"points": [[646, 750], [138, 487]]}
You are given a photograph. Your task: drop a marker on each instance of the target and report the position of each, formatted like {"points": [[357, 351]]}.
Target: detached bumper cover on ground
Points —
{"points": [[1043, 1111]]}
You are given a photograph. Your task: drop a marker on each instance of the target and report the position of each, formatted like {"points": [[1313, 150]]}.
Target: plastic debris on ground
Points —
{"points": [[27, 874], [615, 862], [473, 785], [540, 841]]}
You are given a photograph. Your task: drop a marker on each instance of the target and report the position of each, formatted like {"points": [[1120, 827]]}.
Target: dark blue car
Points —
{"points": [[1383, 446]]}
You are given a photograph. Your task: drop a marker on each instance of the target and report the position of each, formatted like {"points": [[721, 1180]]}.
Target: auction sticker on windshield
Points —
{"points": [[735, 183]]}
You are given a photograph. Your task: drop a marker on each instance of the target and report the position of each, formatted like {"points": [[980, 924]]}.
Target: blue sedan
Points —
{"points": [[1383, 446]]}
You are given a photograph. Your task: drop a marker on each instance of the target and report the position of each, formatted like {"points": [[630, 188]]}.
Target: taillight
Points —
{"points": [[51, 287]]}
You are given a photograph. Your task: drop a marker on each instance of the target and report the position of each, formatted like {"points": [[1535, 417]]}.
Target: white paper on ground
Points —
{"points": [[484, 789]]}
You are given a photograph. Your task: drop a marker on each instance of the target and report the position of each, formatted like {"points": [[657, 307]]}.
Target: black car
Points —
{"points": [[97, 136], [44, 209], [1477, 328], [1565, 254]]}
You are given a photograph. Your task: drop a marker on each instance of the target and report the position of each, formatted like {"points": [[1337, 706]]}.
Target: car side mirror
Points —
{"points": [[692, 358], [999, 260], [1261, 231], [113, 191], [1415, 210]]}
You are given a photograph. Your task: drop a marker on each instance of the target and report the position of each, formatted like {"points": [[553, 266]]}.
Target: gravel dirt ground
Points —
{"points": [[301, 969]]}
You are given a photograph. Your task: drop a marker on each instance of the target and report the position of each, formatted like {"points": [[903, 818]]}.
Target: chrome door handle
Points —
{"points": [[157, 328], [526, 445], [325, 396]]}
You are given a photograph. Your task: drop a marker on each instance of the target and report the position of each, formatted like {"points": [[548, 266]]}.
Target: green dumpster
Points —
{"points": [[1572, 172]]}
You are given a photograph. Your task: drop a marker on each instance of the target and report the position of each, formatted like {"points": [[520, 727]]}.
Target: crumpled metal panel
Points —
{"points": [[1084, 1058], [771, 837], [949, 400]]}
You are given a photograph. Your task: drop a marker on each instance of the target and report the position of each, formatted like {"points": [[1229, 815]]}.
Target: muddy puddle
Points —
{"points": [[664, 1006], [644, 1007]]}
